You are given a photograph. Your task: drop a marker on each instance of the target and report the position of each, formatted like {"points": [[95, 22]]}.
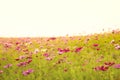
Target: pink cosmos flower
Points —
{"points": [[48, 58], [36, 51], [1, 71], [8, 65], [27, 72], [18, 48], [22, 64], [101, 68], [8, 45], [117, 47], [117, 66], [20, 58]]}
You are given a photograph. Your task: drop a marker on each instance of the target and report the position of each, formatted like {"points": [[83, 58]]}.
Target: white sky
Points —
{"points": [[23, 18]]}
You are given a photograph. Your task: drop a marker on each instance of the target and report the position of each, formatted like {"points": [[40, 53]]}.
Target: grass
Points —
{"points": [[91, 57]]}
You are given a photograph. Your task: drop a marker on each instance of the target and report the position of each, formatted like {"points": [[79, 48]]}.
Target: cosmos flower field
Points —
{"points": [[90, 57]]}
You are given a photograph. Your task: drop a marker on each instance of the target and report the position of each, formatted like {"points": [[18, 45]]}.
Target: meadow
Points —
{"points": [[90, 57]]}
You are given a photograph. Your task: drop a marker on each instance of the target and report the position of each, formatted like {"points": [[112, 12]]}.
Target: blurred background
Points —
{"points": [[36, 18]]}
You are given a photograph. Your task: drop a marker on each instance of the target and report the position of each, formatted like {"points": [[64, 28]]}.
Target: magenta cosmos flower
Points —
{"points": [[95, 45], [24, 63], [61, 51], [78, 49], [46, 55]]}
